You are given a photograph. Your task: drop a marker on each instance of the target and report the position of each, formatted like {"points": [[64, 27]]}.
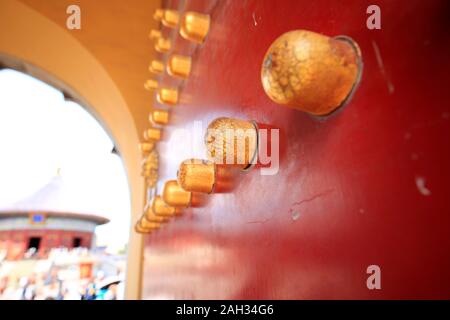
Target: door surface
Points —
{"points": [[368, 185]]}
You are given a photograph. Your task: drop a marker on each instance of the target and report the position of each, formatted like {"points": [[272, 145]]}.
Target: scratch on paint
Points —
{"points": [[390, 86], [295, 215], [259, 221], [312, 198]]}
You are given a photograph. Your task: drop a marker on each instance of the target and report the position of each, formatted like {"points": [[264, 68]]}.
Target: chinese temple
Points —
{"points": [[53, 217]]}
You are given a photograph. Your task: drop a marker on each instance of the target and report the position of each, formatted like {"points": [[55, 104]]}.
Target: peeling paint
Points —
{"points": [[420, 183], [254, 19]]}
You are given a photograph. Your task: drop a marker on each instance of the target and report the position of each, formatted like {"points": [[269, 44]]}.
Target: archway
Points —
{"points": [[48, 53]]}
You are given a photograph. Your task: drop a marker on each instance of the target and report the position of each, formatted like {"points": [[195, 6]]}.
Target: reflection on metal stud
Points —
{"points": [[158, 15], [146, 147], [160, 117], [170, 18], [311, 72], [156, 66], [197, 175], [167, 96], [152, 217], [195, 26], [144, 223], [152, 134], [232, 142], [176, 196], [163, 45], [149, 166], [151, 160], [160, 208], [150, 175], [179, 66], [139, 229], [151, 84], [154, 34]]}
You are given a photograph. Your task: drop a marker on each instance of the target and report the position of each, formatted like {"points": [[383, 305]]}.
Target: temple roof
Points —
{"points": [[59, 198]]}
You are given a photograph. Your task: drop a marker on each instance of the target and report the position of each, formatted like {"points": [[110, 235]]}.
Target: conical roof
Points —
{"points": [[59, 198]]}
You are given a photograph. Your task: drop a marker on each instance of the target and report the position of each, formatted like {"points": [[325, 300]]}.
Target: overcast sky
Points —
{"points": [[39, 133]]}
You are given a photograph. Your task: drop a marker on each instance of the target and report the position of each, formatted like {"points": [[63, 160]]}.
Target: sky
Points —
{"points": [[40, 133]]}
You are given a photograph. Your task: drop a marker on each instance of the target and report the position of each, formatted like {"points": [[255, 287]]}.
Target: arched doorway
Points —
{"points": [[48, 53], [64, 193]]}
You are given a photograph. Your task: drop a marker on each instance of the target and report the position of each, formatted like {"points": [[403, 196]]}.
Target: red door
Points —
{"points": [[366, 186]]}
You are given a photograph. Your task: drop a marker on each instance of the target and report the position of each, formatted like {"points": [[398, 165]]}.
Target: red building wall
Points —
{"points": [[16, 241]]}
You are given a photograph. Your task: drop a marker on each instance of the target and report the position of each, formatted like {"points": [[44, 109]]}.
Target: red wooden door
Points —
{"points": [[368, 185]]}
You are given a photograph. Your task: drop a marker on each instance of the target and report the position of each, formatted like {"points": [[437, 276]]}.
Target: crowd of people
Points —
{"points": [[39, 287], [65, 274]]}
